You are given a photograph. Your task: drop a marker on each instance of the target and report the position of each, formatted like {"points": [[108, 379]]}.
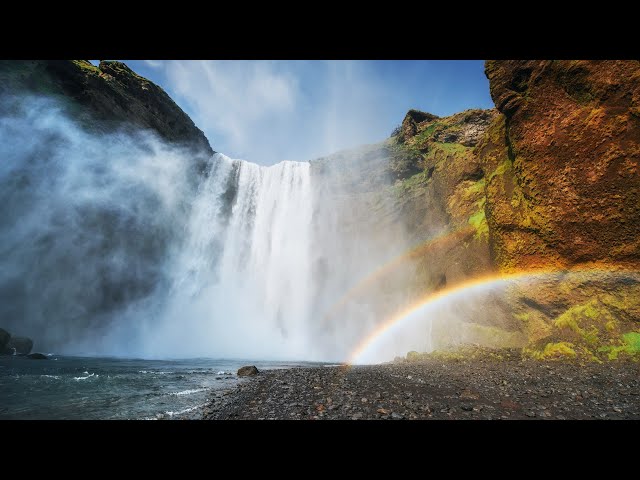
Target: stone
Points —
{"points": [[247, 371]]}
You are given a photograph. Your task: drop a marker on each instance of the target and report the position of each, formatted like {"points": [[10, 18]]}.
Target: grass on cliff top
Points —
{"points": [[87, 66]]}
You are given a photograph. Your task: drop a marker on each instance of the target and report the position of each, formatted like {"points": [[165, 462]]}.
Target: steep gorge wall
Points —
{"points": [[563, 192]]}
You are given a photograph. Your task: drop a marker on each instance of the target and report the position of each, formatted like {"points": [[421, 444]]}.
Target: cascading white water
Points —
{"points": [[132, 251], [242, 281]]}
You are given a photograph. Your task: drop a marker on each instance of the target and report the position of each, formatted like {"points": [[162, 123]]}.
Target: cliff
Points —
{"points": [[567, 152], [563, 192], [107, 97], [552, 183]]}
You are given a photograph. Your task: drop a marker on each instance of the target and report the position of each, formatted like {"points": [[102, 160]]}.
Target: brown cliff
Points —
{"points": [[562, 169], [564, 161]]}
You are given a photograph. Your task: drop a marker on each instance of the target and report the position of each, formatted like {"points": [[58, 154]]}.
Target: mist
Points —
{"points": [[116, 244]]}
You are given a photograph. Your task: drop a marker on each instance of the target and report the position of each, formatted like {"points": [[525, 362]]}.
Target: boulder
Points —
{"points": [[23, 345], [247, 371], [37, 356]]}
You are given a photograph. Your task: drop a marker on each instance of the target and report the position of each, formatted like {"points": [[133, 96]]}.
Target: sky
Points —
{"points": [[267, 111]]}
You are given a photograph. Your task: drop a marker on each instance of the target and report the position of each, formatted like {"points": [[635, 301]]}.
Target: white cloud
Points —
{"points": [[154, 63], [236, 99], [269, 111]]}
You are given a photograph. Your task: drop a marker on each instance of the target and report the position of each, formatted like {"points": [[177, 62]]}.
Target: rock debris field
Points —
{"points": [[437, 389]]}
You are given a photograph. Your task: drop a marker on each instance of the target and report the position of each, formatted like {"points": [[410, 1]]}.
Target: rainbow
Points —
{"points": [[441, 296], [413, 253]]}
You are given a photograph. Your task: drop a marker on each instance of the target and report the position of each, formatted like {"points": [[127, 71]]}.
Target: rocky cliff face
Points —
{"points": [[105, 97], [565, 155], [549, 181], [440, 189], [562, 164]]}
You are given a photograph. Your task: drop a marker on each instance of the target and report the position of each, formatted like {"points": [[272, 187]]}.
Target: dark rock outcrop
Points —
{"points": [[247, 371], [411, 122], [440, 185], [23, 345], [105, 99], [109, 96]]}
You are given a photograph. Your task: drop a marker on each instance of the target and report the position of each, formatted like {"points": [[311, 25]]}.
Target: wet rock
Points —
{"points": [[247, 371], [37, 356]]}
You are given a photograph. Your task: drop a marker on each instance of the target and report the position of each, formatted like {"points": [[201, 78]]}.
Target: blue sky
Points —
{"points": [[268, 111]]}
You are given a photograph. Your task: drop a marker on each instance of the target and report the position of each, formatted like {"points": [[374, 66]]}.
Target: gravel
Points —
{"points": [[437, 389]]}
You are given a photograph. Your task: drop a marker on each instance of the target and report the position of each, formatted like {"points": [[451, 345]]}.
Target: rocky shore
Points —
{"points": [[505, 388]]}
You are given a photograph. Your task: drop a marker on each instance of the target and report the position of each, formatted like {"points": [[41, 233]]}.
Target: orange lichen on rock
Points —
{"points": [[572, 139]]}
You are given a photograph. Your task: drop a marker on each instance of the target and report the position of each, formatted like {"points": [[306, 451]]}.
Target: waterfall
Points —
{"points": [[243, 275], [119, 244]]}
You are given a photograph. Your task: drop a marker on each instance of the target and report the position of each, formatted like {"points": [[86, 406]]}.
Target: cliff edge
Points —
{"points": [[105, 97]]}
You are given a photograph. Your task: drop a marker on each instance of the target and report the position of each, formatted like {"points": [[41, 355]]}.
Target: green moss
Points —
{"points": [[452, 148], [556, 350], [501, 169], [87, 66], [414, 183], [632, 341], [477, 187], [479, 221], [428, 132], [413, 356], [584, 320], [630, 347], [534, 325]]}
